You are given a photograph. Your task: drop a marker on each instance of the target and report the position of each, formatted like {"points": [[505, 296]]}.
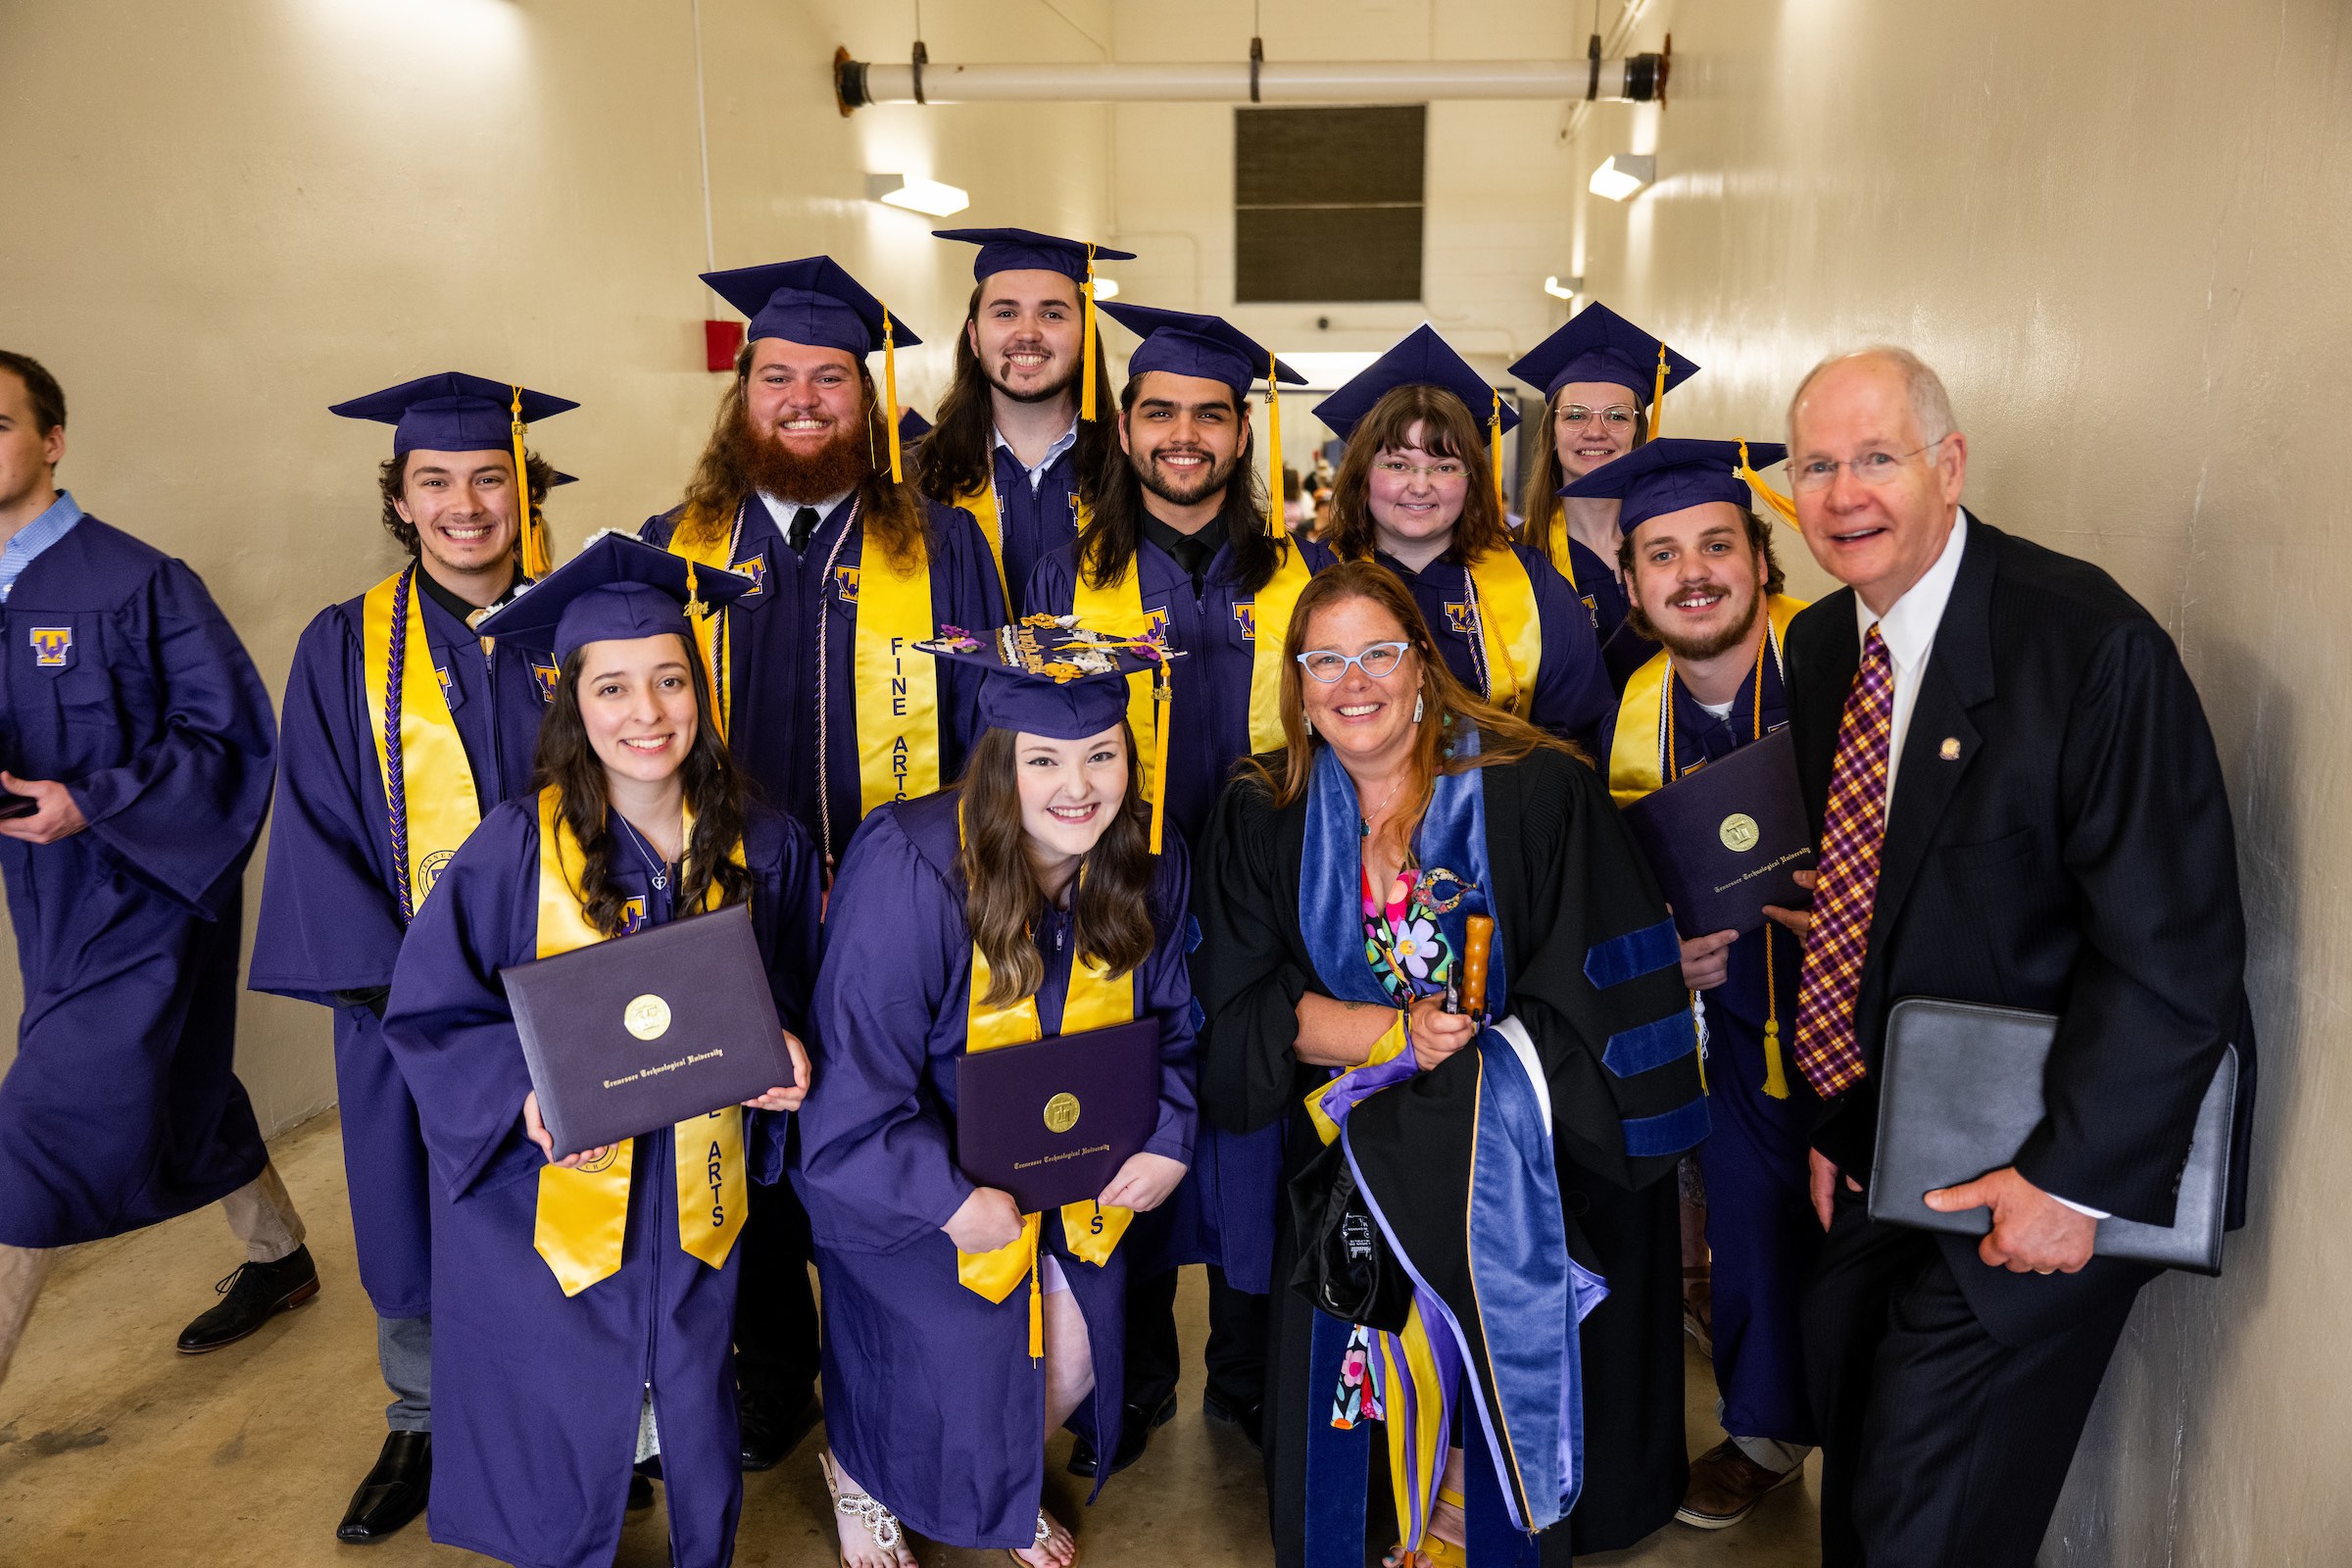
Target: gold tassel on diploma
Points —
{"points": [[1086, 351], [1274, 502], [1657, 398], [537, 559], [1775, 1072], [889, 390]]}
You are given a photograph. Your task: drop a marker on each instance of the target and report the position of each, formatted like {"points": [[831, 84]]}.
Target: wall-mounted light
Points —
{"points": [[1563, 290], [1105, 288], [1623, 174], [930, 197]]}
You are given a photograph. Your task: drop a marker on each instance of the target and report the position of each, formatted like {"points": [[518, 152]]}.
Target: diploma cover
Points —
{"points": [[1052, 1121], [1728, 839], [648, 1030], [1959, 1092]]}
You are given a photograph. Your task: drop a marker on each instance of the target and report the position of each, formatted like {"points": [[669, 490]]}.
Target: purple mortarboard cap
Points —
{"points": [[1422, 359], [811, 301], [1025, 250], [451, 412], [912, 428], [1671, 474], [618, 588], [1599, 345], [1048, 675], [559, 477], [1183, 343]]}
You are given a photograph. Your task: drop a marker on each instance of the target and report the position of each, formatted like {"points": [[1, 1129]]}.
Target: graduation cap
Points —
{"points": [[1423, 359], [1007, 250], [1183, 343], [618, 588], [454, 411], [912, 428], [557, 478], [1669, 474], [1599, 345], [815, 302], [1049, 675]]}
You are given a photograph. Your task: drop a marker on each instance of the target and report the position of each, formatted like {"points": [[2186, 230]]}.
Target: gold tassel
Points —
{"points": [[1657, 398], [1776, 1073], [537, 559], [890, 389], [1274, 502], [1494, 451], [1163, 696], [1782, 507], [1702, 1045], [1085, 370], [1037, 1297]]}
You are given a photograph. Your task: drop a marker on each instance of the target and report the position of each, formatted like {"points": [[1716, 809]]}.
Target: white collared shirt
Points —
{"points": [[1037, 475], [783, 511], [1909, 629]]}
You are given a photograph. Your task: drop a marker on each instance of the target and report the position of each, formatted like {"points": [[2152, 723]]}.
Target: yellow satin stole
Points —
{"points": [[981, 503], [583, 1213], [1097, 999], [716, 551], [1510, 633], [435, 810]]}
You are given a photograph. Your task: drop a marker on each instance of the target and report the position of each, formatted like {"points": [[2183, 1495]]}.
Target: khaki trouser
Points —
{"points": [[259, 1213]]}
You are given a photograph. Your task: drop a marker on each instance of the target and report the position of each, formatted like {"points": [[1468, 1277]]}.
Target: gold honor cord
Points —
{"points": [[1510, 633], [538, 557], [583, 1213], [1781, 506], [1097, 999], [434, 807]]}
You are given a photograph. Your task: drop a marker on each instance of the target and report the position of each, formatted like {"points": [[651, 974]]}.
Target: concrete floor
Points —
{"points": [[115, 1450]]}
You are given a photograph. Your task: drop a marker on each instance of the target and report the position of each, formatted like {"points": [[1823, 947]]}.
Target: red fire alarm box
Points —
{"points": [[722, 342]]}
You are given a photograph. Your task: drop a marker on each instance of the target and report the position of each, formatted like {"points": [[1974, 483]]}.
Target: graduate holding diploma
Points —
{"points": [[1026, 901], [583, 1301]]}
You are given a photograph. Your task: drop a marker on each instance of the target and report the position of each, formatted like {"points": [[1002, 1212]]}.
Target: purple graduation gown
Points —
{"points": [[1224, 1212], [1035, 522], [931, 1400], [330, 910], [536, 1396], [773, 660], [1623, 650], [1573, 695], [123, 681]]}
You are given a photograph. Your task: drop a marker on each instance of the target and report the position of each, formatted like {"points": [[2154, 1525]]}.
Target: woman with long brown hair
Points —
{"points": [[583, 1305], [1440, 1159], [1023, 903], [1604, 380], [1417, 492]]}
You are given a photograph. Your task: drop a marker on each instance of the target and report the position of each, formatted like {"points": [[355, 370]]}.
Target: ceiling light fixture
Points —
{"points": [[1105, 288], [1623, 174], [1568, 290], [930, 197]]}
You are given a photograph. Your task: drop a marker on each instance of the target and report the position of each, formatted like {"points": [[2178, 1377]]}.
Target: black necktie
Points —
{"points": [[804, 523]]}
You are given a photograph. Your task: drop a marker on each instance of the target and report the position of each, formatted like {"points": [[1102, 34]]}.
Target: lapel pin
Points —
{"points": [[1949, 751]]}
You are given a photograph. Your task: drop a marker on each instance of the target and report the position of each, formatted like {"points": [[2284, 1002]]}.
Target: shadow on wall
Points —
{"points": [[2156, 1415]]}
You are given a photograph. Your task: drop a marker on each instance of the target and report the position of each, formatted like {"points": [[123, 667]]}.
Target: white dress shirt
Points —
{"points": [[1037, 471], [1908, 629], [783, 511]]}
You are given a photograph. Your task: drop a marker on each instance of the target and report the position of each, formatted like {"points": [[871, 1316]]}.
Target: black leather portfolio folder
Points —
{"points": [[635, 1033], [1729, 839], [1052, 1121], [1959, 1092]]}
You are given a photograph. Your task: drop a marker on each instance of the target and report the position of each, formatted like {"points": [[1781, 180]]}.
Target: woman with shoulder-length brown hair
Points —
{"points": [[1602, 377], [1417, 492], [1027, 901], [1442, 1163]]}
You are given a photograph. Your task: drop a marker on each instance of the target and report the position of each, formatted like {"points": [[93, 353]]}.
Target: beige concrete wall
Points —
{"points": [[221, 217], [2119, 230]]}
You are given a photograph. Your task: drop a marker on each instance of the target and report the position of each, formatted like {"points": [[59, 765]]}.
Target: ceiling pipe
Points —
{"points": [[1635, 78]]}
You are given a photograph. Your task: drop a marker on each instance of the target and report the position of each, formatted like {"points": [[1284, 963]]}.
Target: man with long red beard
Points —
{"points": [[1016, 446], [820, 694]]}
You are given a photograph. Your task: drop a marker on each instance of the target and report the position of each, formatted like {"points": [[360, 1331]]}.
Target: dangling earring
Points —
{"points": [[1311, 726], [1417, 699]]}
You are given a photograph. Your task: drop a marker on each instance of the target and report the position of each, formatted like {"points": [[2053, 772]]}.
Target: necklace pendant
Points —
{"points": [[660, 880]]}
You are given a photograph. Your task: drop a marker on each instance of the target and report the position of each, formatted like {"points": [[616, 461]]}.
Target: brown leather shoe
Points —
{"points": [[1726, 1486]]}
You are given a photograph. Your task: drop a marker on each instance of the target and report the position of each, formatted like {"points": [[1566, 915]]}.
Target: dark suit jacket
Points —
{"points": [[2074, 856]]}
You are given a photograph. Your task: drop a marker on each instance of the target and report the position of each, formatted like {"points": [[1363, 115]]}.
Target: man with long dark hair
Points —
{"points": [[402, 728], [1182, 540], [820, 697], [139, 743], [1019, 443]]}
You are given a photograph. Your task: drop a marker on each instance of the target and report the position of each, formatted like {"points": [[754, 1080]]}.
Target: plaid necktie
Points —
{"points": [[1855, 821]]}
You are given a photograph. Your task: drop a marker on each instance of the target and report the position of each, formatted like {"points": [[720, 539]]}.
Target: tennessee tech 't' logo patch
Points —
{"points": [[1461, 620], [52, 647], [845, 584], [547, 675], [1245, 615], [755, 569]]}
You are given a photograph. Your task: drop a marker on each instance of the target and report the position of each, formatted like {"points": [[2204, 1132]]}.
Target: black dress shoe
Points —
{"points": [[394, 1492], [255, 1293], [773, 1428], [1250, 1417], [1134, 1435], [641, 1492]]}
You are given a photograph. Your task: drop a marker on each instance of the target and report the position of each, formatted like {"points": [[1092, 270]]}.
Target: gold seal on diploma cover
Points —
{"points": [[1738, 832], [647, 1017], [1061, 1112]]}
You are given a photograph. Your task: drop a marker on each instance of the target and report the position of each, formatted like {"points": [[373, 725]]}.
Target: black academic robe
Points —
{"points": [[122, 681], [1569, 883]]}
